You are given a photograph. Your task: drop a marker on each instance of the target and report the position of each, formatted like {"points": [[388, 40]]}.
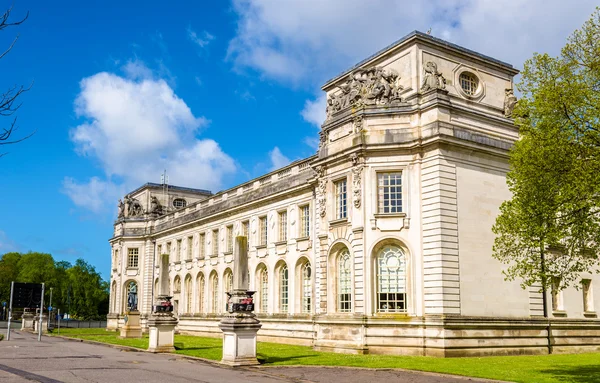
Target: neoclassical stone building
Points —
{"points": [[379, 243]]}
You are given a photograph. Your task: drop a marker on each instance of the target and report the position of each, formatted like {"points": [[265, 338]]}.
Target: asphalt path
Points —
{"points": [[23, 359]]}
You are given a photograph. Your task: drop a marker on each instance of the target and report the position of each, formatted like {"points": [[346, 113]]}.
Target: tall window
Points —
{"points": [[202, 246], [304, 221], [229, 238], [215, 294], [389, 193], [263, 230], [341, 200], [306, 288], [283, 226], [283, 289], [178, 251], [246, 231], [200, 285], [169, 251], [344, 286], [228, 278], [557, 296], [264, 290], [215, 242], [132, 257], [391, 280], [188, 294], [190, 241], [588, 298]]}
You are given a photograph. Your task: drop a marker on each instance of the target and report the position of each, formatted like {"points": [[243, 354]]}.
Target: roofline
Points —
{"points": [[172, 187], [423, 36]]}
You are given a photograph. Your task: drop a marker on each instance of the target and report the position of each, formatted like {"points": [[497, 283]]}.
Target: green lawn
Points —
{"points": [[576, 368]]}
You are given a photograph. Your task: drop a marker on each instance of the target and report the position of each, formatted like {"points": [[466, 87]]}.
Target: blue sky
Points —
{"points": [[215, 92]]}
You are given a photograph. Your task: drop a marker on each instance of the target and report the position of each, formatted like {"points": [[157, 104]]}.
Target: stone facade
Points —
{"points": [[381, 242]]}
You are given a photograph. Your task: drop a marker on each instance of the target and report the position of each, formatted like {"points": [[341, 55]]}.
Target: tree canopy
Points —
{"points": [[555, 167], [77, 289]]}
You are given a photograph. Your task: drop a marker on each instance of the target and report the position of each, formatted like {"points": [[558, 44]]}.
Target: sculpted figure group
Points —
{"points": [[372, 86]]}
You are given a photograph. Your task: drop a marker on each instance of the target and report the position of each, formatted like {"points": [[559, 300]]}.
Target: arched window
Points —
{"points": [[113, 297], [391, 280], [214, 285], [131, 296], [228, 278], [283, 289], [177, 285], [200, 285], [263, 278], [188, 294], [344, 282], [306, 275]]}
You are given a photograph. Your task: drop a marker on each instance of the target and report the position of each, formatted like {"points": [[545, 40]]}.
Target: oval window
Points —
{"points": [[179, 203], [469, 83]]}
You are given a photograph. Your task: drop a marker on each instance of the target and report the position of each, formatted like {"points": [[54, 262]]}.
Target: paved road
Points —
{"points": [[23, 359]]}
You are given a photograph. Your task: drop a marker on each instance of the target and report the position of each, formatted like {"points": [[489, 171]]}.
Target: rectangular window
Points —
{"points": [[169, 251], [230, 238], [215, 243], [178, 251], [557, 298], [246, 231], [132, 257], [202, 246], [588, 298], [304, 221], [189, 248], [263, 230], [283, 226], [389, 193], [340, 200]]}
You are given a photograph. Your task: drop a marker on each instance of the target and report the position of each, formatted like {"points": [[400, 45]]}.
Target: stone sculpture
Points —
{"points": [[432, 79], [321, 191], [155, 206], [356, 179], [121, 209], [132, 300], [134, 207], [371, 86], [510, 102]]}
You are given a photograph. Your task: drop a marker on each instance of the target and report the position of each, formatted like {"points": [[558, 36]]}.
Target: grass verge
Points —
{"points": [[574, 368]]}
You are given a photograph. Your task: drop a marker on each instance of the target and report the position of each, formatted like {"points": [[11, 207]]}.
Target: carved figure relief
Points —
{"points": [[371, 86], [322, 138], [510, 101], [133, 206], [432, 79], [321, 191], [121, 209], [155, 206], [356, 180]]}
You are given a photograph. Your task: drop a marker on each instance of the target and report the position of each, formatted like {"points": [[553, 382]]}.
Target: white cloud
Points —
{"points": [[201, 40], [136, 69], [134, 128], [314, 39], [278, 160], [314, 110]]}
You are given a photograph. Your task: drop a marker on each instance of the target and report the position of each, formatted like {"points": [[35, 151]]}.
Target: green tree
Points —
{"points": [[88, 291], [9, 271], [549, 232]]}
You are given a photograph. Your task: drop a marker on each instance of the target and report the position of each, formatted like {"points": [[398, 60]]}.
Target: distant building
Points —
{"points": [[379, 243]]}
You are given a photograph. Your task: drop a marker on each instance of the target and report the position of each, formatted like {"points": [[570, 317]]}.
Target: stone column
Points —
{"points": [[240, 325], [27, 321]]}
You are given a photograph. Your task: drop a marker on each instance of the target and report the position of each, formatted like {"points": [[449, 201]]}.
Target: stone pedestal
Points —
{"points": [[36, 323], [112, 322], [239, 339], [132, 328], [162, 332], [27, 321]]}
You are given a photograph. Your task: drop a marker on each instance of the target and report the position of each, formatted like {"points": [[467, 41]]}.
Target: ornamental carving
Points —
{"points": [[510, 101], [133, 207], [322, 138], [372, 86], [357, 123], [432, 78], [356, 180], [321, 191]]}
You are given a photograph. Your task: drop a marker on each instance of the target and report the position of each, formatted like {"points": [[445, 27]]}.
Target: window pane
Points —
{"points": [[391, 280], [344, 282], [389, 195]]}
